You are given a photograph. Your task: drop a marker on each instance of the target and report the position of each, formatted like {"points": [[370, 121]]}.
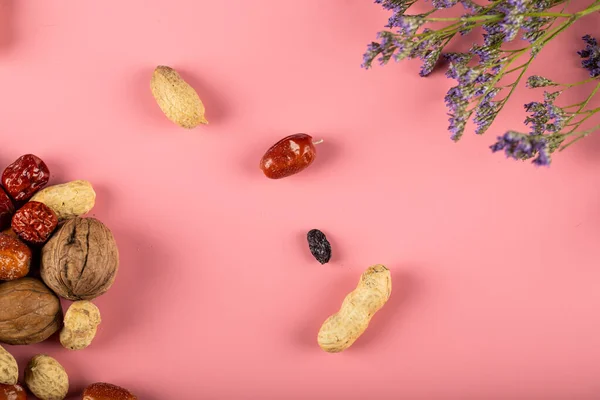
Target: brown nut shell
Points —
{"points": [[107, 391], [15, 258], [81, 260], [29, 312]]}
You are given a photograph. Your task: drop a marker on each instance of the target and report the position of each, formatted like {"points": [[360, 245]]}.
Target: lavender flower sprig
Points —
{"points": [[487, 75]]}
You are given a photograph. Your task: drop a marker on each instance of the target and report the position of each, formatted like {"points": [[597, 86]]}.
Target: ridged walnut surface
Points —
{"points": [[342, 329], [81, 260], [29, 312]]}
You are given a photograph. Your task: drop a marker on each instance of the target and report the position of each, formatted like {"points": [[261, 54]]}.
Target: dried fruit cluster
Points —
{"points": [[47, 379], [180, 103], [45, 235]]}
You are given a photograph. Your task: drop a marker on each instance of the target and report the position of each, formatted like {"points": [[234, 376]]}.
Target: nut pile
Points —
{"points": [[45, 234]]}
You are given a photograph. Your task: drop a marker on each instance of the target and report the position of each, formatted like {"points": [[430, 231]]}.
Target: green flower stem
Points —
{"points": [[592, 111], [593, 8], [497, 17], [591, 130], [486, 18], [580, 135], [584, 105], [518, 68], [577, 124], [548, 14], [569, 85], [523, 49], [543, 41]]}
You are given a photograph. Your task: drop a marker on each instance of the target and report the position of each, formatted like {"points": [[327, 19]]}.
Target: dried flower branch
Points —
{"points": [[482, 73]]}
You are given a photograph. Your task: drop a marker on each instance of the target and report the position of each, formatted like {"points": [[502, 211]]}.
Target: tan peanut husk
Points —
{"points": [[176, 98], [342, 329]]}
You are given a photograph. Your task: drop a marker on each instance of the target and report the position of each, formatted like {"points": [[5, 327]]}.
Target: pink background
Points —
{"points": [[496, 278]]}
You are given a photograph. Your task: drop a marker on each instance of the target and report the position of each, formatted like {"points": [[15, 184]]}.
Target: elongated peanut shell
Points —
{"points": [[80, 325], [46, 378], [176, 98], [68, 200], [342, 329], [9, 371]]}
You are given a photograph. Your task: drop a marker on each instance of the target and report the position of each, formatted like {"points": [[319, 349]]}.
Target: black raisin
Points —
{"points": [[319, 245]]}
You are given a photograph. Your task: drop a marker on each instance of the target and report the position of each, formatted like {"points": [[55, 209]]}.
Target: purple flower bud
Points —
{"points": [[591, 55]]}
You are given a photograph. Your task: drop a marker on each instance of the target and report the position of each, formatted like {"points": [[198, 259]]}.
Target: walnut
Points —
{"points": [[81, 259], [29, 311]]}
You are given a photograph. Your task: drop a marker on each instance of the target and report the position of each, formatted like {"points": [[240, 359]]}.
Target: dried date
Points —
{"points": [[25, 176], [7, 209], [288, 156], [15, 258], [319, 246], [34, 222], [12, 392], [107, 391]]}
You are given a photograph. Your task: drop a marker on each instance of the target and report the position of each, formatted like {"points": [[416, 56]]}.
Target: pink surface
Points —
{"points": [[496, 279]]}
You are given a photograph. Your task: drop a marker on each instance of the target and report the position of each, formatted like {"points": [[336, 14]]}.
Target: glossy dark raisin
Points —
{"points": [[319, 245]]}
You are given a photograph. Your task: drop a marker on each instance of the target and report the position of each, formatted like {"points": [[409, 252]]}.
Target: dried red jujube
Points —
{"points": [[25, 176], [12, 392], [288, 156], [7, 209], [107, 391], [15, 258], [34, 222]]}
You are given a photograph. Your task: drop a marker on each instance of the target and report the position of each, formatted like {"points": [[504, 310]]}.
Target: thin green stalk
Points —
{"points": [[584, 104], [569, 85]]}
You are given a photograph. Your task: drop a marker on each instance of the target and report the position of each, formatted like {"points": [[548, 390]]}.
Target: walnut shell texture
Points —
{"points": [[29, 312], [81, 260]]}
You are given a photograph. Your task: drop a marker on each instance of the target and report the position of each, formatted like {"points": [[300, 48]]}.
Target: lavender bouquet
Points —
{"points": [[487, 75]]}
